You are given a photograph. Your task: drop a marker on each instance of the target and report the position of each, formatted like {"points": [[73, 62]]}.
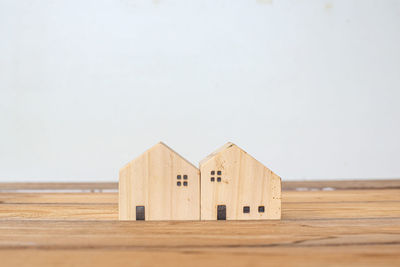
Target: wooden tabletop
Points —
{"points": [[323, 223]]}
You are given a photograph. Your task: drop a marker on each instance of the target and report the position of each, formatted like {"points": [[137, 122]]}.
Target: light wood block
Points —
{"points": [[232, 178], [161, 181]]}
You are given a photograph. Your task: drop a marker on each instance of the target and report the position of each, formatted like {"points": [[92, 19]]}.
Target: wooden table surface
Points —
{"points": [[323, 223]]}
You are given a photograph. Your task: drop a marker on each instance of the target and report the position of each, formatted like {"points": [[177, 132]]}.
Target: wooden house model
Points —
{"points": [[159, 185], [230, 185], [235, 186]]}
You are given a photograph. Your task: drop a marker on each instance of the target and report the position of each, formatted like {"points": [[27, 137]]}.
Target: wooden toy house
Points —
{"points": [[235, 186], [159, 185]]}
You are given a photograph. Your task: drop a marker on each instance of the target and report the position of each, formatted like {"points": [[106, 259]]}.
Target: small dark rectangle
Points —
{"points": [[221, 212], [140, 213], [246, 209], [212, 179], [178, 183], [261, 209], [178, 177], [219, 172], [185, 177], [185, 183], [219, 179], [212, 172]]}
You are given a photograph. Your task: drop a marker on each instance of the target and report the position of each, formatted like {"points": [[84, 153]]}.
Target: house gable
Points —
{"points": [[232, 178], [161, 181]]}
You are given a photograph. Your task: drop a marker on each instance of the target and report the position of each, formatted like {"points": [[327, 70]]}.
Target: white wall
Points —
{"points": [[310, 88]]}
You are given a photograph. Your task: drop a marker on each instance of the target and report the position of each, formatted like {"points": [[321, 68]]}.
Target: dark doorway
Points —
{"points": [[221, 212], [140, 213]]}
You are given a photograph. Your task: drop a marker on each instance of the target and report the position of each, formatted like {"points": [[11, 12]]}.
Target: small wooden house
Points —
{"points": [[235, 186], [159, 185]]}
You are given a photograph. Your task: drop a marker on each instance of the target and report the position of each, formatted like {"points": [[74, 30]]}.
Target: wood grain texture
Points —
{"points": [[301, 197], [58, 234], [231, 177], [162, 182], [286, 186], [318, 228], [342, 185], [92, 187], [373, 255], [296, 205], [59, 198]]}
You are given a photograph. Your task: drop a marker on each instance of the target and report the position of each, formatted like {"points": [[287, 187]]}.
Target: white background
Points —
{"points": [[309, 88]]}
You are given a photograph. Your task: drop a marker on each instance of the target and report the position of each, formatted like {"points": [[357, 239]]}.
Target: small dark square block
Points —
{"points": [[246, 209], [178, 183], [185, 177], [212, 179], [219, 179], [179, 177], [219, 172], [185, 183], [261, 208], [212, 172]]}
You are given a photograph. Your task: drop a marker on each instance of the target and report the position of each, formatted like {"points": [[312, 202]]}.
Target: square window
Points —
{"points": [[184, 183], [179, 177], [261, 208], [219, 179], [212, 179], [219, 172], [212, 172], [178, 183], [246, 209], [185, 177]]}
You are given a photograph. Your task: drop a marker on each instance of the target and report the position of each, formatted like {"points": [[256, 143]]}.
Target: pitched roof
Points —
{"points": [[164, 146], [224, 147], [176, 153]]}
